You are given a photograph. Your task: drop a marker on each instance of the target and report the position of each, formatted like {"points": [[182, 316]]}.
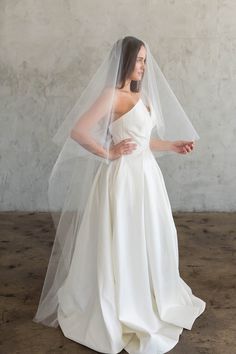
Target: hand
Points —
{"points": [[124, 147], [182, 146]]}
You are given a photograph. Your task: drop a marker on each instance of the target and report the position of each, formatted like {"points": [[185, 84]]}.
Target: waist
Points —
{"points": [[140, 150]]}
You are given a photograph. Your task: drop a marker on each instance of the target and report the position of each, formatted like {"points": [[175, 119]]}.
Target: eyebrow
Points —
{"points": [[141, 57]]}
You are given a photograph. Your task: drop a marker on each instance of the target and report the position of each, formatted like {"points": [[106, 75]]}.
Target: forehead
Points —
{"points": [[142, 52]]}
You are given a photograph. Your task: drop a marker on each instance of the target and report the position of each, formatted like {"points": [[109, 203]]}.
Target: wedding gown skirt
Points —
{"points": [[124, 290]]}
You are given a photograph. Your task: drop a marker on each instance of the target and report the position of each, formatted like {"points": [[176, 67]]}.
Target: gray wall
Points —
{"points": [[49, 49]]}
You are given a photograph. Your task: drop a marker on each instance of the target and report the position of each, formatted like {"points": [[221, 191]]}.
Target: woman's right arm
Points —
{"points": [[81, 131]]}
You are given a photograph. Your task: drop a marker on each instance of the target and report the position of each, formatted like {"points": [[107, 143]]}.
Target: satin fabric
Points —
{"points": [[124, 290]]}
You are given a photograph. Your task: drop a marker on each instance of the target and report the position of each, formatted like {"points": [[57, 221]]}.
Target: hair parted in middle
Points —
{"points": [[130, 48]]}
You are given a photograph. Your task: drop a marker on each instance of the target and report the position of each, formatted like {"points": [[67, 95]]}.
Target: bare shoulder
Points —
{"points": [[123, 102]]}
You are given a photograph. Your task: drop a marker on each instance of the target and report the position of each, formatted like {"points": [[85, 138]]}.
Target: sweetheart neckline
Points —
{"points": [[121, 117]]}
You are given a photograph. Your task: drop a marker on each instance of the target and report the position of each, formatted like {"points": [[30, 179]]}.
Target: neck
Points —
{"points": [[127, 85]]}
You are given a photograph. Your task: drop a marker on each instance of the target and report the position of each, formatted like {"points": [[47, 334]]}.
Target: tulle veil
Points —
{"points": [[73, 173]]}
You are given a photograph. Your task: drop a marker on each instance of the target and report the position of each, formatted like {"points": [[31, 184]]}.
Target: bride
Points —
{"points": [[113, 278]]}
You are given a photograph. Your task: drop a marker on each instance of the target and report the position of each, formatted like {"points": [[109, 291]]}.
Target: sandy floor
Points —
{"points": [[207, 244]]}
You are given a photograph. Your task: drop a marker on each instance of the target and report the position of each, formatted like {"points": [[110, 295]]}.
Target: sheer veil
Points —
{"points": [[73, 174]]}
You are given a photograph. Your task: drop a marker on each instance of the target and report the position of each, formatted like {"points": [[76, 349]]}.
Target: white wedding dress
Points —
{"points": [[124, 290]]}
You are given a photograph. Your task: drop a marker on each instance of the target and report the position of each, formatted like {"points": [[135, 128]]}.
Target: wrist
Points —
{"points": [[110, 154], [170, 145]]}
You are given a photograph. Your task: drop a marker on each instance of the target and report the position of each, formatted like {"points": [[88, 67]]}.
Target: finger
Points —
{"points": [[125, 141], [128, 151], [188, 147], [125, 150], [130, 145]]}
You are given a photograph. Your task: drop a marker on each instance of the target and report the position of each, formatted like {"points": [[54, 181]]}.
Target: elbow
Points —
{"points": [[76, 136]]}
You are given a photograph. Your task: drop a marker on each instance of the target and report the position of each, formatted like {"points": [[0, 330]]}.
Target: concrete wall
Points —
{"points": [[49, 49]]}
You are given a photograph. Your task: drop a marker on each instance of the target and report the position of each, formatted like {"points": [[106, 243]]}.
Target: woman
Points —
{"points": [[113, 277]]}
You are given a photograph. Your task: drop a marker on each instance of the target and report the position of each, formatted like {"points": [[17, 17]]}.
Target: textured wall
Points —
{"points": [[49, 49]]}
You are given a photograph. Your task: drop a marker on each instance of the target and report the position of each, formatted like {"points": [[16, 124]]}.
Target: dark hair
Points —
{"points": [[130, 48]]}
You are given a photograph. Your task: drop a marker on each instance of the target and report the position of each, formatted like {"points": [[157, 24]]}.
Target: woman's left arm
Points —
{"points": [[179, 146]]}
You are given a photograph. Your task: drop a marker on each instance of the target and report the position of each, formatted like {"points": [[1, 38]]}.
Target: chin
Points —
{"points": [[137, 78]]}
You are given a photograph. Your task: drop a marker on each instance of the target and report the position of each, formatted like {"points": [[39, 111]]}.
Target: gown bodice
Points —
{"points": [[137, 123]]}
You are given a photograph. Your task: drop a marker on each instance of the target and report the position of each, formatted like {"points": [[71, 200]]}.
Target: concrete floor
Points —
{"points": [[207, 243]]}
